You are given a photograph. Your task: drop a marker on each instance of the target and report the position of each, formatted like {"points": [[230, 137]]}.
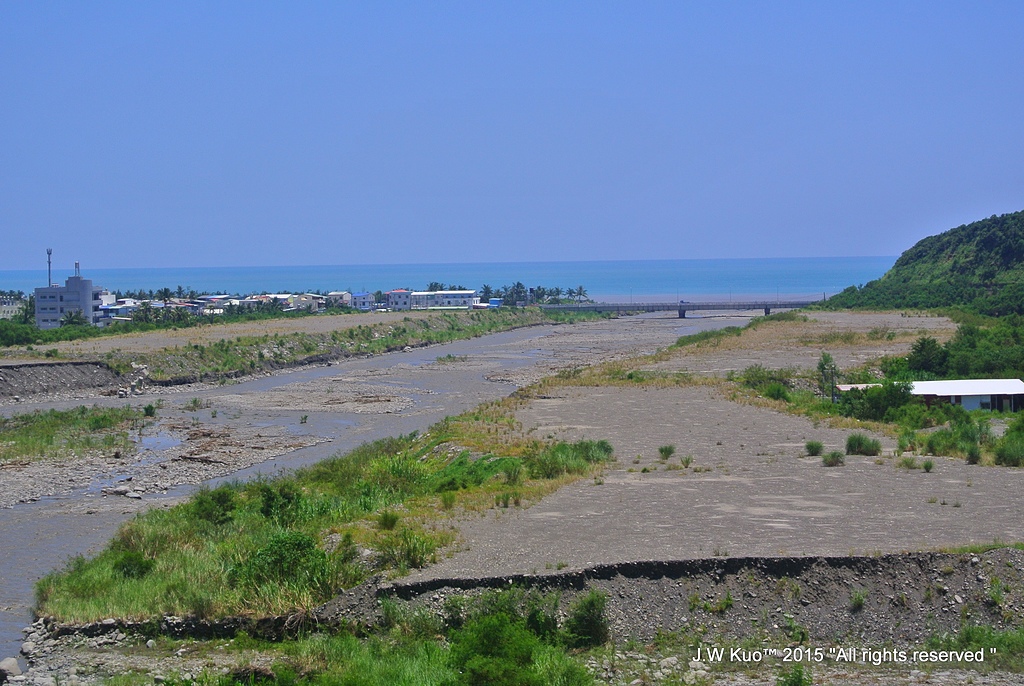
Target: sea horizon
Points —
{"points": [[775, 278]]}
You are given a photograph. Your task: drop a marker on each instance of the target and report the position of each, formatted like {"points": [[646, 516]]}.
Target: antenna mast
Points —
{"points": [[49, 271]]}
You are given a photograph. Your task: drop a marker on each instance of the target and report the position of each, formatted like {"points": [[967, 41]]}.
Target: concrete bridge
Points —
{"points": [[683, 306]]}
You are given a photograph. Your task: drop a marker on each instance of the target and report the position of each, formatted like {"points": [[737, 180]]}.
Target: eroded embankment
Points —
{"points": [[899, 598], [38, 378]]}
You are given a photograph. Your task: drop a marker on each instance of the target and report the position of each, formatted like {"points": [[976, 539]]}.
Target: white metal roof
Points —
{"points": [[970, 387]]}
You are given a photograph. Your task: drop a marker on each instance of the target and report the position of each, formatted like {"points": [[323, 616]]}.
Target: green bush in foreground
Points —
{"points": [[814, 448], [833, 459], [860, 444]]}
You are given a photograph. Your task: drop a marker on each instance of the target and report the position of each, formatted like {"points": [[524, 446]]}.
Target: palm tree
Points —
{"points": [[144, 313], [581, 294], [74, 318]]}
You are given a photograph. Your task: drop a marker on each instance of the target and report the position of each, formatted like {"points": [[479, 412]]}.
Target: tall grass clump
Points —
{"points": [[861, 444], [833, 459], [568, 458], [814, 448]]}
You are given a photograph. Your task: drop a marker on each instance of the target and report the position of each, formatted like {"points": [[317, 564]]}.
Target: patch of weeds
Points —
{"points": [[303, 419], [149, 410], [814, 448], [645, 470], [796, 675], [861, 444], [928, 465], [666, 451], [796, 633], [833, 459], [387, 520], [907, 462], [857, 599], [724, 604], [447, 500], [695, 602], [686, 461], [932, 500]]}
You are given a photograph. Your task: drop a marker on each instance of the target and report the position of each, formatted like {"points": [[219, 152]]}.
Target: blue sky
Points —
{"points": [[251, 133]]}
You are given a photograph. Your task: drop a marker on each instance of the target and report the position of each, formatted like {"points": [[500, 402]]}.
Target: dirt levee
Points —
{"points": [[34, 379]]}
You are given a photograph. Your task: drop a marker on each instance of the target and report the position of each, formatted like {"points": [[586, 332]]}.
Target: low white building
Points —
{"points": [[1002, 395], [443, 300]]}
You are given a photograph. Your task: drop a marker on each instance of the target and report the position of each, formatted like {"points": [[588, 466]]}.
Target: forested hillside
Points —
{"points": [[979, 266]]}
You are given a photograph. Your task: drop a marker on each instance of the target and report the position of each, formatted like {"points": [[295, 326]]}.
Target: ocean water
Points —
{"points": [[611, 281]]}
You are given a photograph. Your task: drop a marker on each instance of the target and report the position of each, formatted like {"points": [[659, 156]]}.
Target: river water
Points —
{"points": [[38, 537]]}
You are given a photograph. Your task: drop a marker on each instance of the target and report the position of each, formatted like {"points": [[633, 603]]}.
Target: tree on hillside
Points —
{"points": [[926, 355], [486, 292]]}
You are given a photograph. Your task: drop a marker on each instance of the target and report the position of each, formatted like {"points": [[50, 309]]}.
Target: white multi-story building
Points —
{"points": [[10, 307], [436, 300], [398, 299], [77, 294]]}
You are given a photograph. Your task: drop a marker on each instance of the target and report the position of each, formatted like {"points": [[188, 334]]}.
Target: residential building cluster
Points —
{"points": [[99, 307]]}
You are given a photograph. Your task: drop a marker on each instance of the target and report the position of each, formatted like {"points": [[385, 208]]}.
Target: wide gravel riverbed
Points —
{"points": [[205, 433]]}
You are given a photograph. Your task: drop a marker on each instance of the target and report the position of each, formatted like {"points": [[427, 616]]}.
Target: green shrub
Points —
{"points": [[907, 462], [387, 520], [1010, 450], [833, 459], [860, 444], [496, 650], [288, 557], [928, 466], [814, 448], [216, 506], [776, 391], [568, 458], [586, 625], [857, 599], [132, 564], [149, 410], [795, 676], [666, 451], [686, 461], [513, 470], [407, 549]]}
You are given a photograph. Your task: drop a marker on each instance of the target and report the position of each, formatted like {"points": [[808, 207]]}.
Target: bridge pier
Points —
{"points": [[682, 313], [767, 311]]}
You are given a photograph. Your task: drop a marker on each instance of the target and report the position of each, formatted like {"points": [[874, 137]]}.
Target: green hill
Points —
{"points": [[979, 266]]}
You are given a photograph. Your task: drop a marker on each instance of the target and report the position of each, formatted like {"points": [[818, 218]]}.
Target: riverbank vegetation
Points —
{"points": [[59, 433], [287, 544], [243, 355]]}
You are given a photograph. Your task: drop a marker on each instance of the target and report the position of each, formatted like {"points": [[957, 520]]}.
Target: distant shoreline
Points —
{"points": [[643, 281]]}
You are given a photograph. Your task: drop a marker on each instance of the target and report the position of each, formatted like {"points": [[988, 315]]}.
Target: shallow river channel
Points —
{"points": [[398, 393]]}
